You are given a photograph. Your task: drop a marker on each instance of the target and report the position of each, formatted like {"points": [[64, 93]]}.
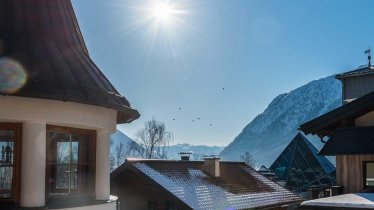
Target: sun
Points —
{"points": [[163, 12], [164, 26]]}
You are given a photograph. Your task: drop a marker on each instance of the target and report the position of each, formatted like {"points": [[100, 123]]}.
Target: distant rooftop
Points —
{"points": [[346, 201], [238, 187]]}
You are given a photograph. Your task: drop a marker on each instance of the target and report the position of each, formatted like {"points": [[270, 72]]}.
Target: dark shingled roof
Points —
{"points": [[44, 37], [238, 187], [343, 116], [350, 141], [361, 70]]}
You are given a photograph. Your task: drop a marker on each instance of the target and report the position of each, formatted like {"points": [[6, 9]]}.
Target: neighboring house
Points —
{"points": [[263, 170], [300, 167], [350, 133], [57, 110], [209, 184]]}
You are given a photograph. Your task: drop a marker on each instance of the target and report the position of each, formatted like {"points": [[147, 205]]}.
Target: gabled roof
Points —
{"points": [[300, 166], [266, 172], [350, 141], [340, 117], [43, 36], [238, 187], [262, 168], [361, 70]]}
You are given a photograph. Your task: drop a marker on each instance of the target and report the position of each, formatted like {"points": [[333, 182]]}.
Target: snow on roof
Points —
{"points": [[238, 187], [262, 168], [355, 200], [361, 70]]}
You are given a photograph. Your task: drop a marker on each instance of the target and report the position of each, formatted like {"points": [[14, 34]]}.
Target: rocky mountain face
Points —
{"points": [[271, 131]]}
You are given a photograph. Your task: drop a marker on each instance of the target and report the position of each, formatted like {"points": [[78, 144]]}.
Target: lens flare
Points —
{"points": [[163, 12], [12, 76]]}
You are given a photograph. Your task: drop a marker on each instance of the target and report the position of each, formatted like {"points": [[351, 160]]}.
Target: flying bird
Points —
{"points": [[198, 118]]}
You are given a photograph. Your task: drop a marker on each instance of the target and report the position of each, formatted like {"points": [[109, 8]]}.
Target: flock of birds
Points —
{"points": [[198, 118]]}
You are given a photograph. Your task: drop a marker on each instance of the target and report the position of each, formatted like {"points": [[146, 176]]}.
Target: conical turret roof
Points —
{"points": [[43, 52]]}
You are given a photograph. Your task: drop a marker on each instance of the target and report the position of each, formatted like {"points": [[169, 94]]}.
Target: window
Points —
{"points": [[70, 161], [10, 162], [369, 174], [170, 206], [151, 205]]}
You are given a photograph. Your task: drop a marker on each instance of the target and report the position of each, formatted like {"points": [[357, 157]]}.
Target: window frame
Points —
{"points": [[50, 152], [16, 179], [364, 166]]}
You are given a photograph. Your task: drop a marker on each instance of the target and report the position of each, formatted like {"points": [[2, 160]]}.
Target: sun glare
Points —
{"points": [[162, 25], [163, 12]]}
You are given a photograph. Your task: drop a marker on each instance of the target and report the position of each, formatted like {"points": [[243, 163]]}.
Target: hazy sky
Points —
{"points": [[255, 50]]}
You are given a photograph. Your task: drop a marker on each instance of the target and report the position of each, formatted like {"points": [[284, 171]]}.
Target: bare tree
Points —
{"points": [[154, 140], [135, 149], [248, 159], [120, 153], [112, 159]]}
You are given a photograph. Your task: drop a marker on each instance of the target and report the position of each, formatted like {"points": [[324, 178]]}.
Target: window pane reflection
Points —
{"points": [[6, 162], [370, 174]]}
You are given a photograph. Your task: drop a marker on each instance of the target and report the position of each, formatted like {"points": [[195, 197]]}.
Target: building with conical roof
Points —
{"points": [[57, 110], [300, 166]]}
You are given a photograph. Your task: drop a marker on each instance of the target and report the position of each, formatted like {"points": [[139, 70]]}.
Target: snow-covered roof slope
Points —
{"points": [[356, 201], [238, 187]]}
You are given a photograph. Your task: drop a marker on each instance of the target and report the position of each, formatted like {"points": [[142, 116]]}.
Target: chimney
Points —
{"points": [[211, 165], [185, 156]]}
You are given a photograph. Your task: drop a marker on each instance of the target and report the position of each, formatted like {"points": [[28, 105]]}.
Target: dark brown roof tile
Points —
{"points": [[44, 37], [238, 187]]}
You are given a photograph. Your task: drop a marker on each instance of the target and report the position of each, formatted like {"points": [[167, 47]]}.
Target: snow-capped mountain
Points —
{"points": [[198, 151], [270, 132], [172, 152]]}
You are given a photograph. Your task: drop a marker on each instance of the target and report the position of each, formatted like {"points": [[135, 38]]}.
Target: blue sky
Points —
{"points": [[254, 49]]}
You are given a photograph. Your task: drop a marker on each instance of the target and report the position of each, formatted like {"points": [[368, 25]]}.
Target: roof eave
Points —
{"points": [[129, 165], [342, 116], [127, 116]]}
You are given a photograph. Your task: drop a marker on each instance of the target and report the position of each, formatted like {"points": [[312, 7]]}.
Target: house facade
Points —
{"points": [[348, 129], [57, 111], [348, 133]]}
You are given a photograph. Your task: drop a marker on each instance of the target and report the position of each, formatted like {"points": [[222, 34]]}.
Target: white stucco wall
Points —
{"points": [[365, 120], [22, 109], [33, 164], [35, 114]]}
